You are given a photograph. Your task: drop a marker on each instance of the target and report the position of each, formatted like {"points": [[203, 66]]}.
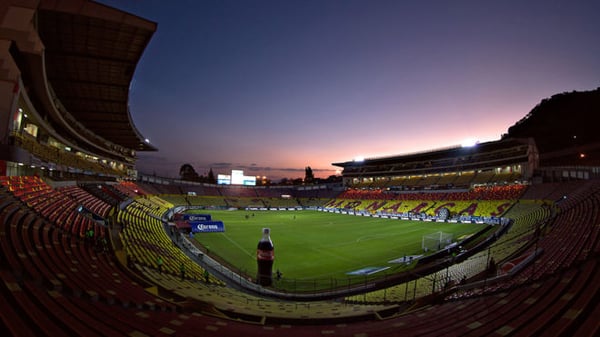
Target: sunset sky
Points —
{"points": [[271, 87]]}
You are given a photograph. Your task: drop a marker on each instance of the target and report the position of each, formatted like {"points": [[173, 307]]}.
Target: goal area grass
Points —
{"points": [[313, 245]]}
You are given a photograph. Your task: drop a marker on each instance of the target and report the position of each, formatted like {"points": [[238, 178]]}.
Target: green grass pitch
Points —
{"points": [[319, 245]]}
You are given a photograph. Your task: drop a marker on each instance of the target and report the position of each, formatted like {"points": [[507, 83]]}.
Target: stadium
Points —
{"points": [[500, 238]]}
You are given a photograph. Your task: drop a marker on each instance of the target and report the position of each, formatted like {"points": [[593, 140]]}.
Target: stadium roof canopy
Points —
{"points": [[91, 52], [480, 156]]}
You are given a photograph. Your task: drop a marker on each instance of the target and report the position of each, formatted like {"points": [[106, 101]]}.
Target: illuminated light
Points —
{"points": [[469, 142], [359, 159], [20, 164], [147, 140], [582, 155], [20, 110], [25, 115]]}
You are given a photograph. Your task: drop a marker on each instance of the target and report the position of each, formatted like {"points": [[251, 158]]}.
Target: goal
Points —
{"points": [[436, 241]]}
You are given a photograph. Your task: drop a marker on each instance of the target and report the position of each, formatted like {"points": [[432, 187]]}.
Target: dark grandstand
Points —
{"points": [[80, 229]]}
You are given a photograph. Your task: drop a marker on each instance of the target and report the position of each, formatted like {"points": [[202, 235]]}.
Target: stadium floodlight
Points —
{"points": [[469, 142], [359, 159]]}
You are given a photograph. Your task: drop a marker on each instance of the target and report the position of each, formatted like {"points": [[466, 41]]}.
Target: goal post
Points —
{"points": [[436, 241]]}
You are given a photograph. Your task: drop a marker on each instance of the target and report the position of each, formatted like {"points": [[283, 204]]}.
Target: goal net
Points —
{"points": [[436, 241]]}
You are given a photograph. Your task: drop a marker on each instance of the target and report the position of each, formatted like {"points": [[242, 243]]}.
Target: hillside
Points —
{"points": [[562, 122]]}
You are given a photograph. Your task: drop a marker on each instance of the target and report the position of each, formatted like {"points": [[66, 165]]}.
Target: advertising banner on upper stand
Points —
{"points": [[197, 217]]}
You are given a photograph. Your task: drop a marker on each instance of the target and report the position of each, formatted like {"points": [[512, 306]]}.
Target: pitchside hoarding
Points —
{"points": [[207, 226]]}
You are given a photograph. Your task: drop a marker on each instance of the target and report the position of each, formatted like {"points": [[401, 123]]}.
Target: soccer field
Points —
{"points": [[318, 245]]}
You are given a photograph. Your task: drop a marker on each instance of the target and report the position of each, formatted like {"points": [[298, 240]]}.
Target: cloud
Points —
{"points": [[256, 168], [152, 163], [220, 165]]}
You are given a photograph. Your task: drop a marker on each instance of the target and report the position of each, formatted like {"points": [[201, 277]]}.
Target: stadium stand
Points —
{"points": [[86, 281]]}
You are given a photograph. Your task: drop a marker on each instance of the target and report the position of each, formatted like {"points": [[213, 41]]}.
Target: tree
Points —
{"points": [[308, 175], [187, 172], [211, 177]]}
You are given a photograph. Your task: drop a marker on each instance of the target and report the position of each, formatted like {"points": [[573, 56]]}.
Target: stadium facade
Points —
{"points": [[66, 69]]}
